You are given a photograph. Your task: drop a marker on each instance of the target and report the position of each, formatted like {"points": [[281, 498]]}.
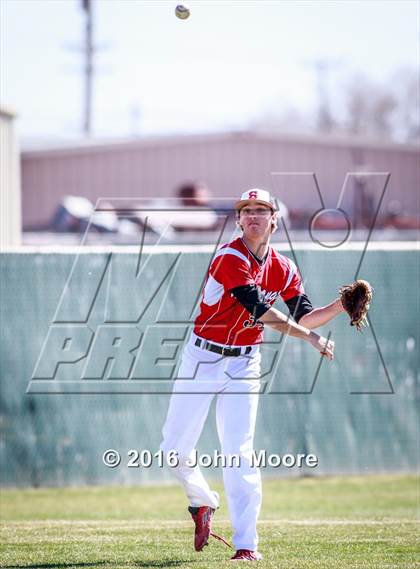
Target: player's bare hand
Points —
{"points": [[325, 347]]}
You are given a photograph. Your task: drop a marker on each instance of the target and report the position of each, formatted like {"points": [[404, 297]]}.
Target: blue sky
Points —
{"points": [[227, 65]]}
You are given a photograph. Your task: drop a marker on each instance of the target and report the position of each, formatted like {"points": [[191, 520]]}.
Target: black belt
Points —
{"points": [[232, 352]]}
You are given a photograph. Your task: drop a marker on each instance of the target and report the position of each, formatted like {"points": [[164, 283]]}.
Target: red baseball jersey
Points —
{"points": [[222, 317]]}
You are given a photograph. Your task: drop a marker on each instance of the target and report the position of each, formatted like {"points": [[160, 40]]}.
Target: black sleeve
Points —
{"points": [[299, 306], [251, 298]]}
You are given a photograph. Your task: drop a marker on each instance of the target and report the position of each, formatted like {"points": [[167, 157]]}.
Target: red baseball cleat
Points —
{"points": [[246, 555], [202, 517]]}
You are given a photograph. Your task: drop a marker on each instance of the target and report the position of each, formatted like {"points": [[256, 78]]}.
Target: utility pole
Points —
{"points": [[322, 68], [324, 114], [135, 118], [88, 67]]}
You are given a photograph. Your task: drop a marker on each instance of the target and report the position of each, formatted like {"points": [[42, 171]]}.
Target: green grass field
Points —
{"points": [[311, 523]]}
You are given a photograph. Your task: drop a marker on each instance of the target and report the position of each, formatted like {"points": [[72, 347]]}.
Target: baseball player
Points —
{"points": [[222, 357]]}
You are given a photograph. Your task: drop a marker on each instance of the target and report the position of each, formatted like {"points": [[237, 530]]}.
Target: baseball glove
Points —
{"points": [[356, 298]]}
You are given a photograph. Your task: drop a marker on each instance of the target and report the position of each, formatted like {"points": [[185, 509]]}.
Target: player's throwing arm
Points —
{"points": [[283, 324]]}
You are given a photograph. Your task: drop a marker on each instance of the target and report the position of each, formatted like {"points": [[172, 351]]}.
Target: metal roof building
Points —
{"points": [[228, 163]]}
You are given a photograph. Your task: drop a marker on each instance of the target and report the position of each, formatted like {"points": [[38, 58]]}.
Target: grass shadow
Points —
{"points": [[158, 563], [54, 565], [164, 563]]}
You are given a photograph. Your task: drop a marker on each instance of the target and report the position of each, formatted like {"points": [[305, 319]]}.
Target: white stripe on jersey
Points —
{"points": [[293, 271], [212, 315], [232, 251], [234, 326], [213, 291], [214, 294]]}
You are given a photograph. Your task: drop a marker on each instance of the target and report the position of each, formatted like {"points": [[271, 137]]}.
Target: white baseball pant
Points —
{"points": [[235, 381]]}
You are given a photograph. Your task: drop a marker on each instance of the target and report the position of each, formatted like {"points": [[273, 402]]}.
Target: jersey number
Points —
{"points": [[252, 322]]}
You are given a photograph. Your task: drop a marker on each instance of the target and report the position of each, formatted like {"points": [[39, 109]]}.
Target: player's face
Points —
{"points": [[256, 220]]}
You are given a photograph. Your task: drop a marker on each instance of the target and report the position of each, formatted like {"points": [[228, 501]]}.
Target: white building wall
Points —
{"points": [[10, 198]]}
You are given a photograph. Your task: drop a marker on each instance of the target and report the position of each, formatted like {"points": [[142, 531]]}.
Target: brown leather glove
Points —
{"points": [[356, 298]]}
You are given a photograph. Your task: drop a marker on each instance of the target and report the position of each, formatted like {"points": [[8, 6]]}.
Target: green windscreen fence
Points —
{"points": [[90, 342]]}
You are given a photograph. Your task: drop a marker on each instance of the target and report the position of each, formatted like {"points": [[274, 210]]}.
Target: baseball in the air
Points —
{"points": [[182, 12]]}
